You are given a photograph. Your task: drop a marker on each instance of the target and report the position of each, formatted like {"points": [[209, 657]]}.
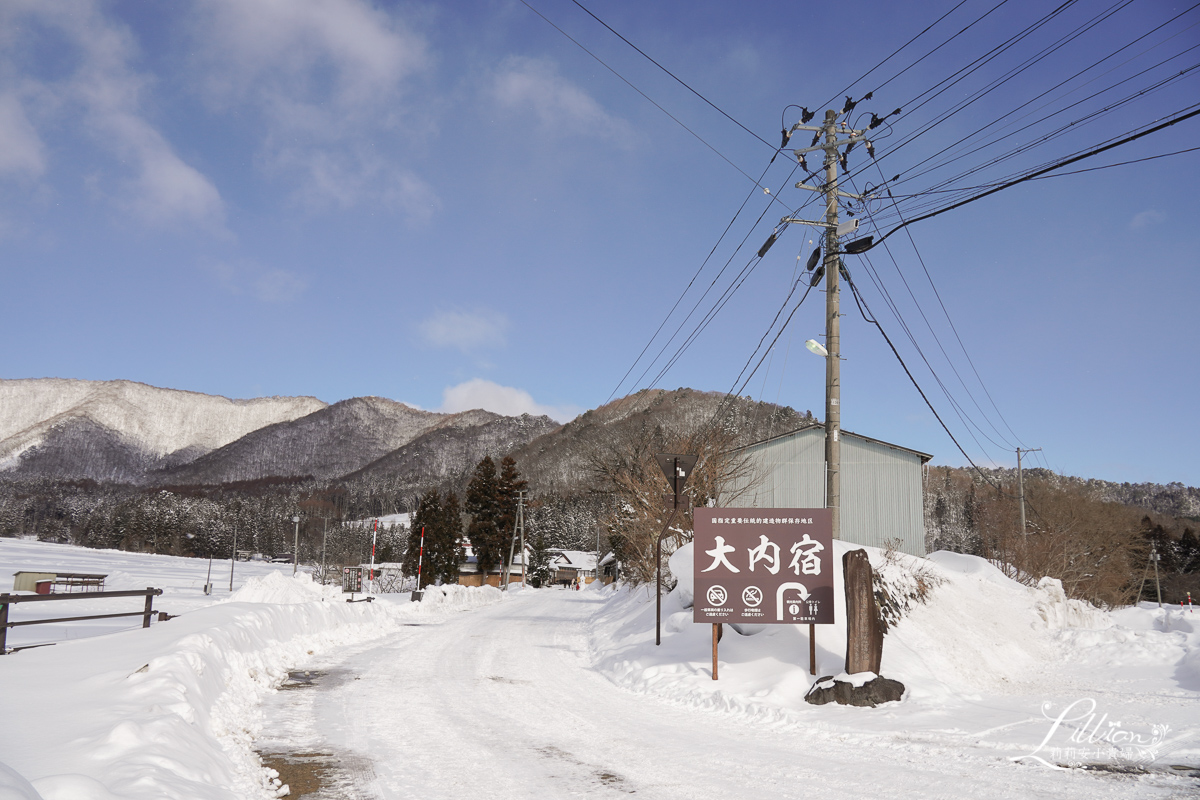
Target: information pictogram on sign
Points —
{"points": [[763, 565]]}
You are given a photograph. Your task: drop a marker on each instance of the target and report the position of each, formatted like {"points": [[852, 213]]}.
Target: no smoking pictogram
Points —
{"points": [[752, 596], [717, 595]]}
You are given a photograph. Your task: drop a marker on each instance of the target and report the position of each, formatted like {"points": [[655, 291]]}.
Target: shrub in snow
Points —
{"points": [[901, 582]]}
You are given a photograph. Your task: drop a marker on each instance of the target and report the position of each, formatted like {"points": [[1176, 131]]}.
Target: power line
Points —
{"points": [[687, 288], [863, 305], [1118, 164], [672, 74], [1030, 176], [957, 337], [624, 80]]}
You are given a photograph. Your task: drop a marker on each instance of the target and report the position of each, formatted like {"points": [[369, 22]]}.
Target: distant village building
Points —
{"points": [[881, 484], [469, 573], [567, 566]]}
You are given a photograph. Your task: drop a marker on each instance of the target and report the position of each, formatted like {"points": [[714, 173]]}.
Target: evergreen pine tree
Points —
{"points": [[425, 520], [446, 552], [509, 485], [1189, 552], [483, 505], [539, 563]]}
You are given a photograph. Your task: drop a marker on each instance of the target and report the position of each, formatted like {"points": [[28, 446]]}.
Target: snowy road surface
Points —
{"points": [[502, 702]]}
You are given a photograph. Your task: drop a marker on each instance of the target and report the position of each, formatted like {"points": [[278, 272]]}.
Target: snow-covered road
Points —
{"points": [[503, 702]]}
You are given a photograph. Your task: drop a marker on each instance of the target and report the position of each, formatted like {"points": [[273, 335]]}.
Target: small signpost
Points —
{"points": [[352, 579], [763, 566], [676, 469]]}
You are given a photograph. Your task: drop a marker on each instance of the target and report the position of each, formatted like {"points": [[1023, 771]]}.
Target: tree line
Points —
{"points": [[1099, 548]]}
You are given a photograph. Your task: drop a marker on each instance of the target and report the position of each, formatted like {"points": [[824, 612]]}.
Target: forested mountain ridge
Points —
{"points": [[328, 443], [561, 462]]}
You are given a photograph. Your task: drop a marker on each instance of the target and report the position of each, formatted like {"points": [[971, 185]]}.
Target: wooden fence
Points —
{"points": [[7, 600]]}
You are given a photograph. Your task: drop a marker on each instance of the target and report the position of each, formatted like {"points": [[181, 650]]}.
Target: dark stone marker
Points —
{"points": [[864, 629], [871, 693]]}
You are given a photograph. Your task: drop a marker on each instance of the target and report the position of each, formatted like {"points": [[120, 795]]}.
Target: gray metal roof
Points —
{"points": [[925, 457]]}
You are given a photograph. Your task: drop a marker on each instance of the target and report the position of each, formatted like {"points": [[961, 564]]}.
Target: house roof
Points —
{"points": [[816, 426], [577, 559]]}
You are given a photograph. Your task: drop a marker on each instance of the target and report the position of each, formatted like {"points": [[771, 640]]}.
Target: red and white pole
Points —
{"points": [[420, 558], [374, 534]]}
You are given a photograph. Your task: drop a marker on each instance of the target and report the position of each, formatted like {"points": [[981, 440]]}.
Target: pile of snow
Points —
{"points": [[978, 649], [458, 598], [278, 588], [173, 711]]}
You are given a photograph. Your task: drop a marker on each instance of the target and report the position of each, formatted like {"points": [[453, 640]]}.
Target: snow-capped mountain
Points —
{"points": [[116, 430], [327, 443], [132, 433]]}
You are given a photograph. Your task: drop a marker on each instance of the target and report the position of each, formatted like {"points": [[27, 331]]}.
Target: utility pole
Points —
{"points": [[832, 268], [233, 558], [518, 529], [833, 335], [296, 546], [521, 523], [1021, 484]]}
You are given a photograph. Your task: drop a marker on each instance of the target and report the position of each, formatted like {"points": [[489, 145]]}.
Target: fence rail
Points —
{"points": [[7, 600]]}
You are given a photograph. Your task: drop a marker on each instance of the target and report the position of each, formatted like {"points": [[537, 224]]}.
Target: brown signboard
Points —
{"points": [[763, 565]]}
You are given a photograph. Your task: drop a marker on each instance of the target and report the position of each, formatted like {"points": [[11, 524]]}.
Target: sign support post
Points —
{"points": [[676, 469], [716, 638], [763, 566]]}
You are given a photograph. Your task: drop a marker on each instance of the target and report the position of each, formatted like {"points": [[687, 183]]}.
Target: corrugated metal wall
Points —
{"points": [[881, 486]]}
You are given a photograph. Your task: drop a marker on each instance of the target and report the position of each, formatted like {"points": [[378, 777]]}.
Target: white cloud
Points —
{"points": [[506, 400], [465, 330], [104, 93], [328, 78], [267, 285], [279, 286], [344, 177], [1146, 219], [21, 149], [534, 86], [291, 48]]}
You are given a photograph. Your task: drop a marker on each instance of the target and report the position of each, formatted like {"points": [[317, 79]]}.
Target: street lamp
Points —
{"points": [[295, 546], [816, 347]]}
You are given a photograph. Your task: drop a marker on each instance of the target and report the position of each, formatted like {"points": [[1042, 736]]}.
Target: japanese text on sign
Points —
{"points": [[763, 565]]}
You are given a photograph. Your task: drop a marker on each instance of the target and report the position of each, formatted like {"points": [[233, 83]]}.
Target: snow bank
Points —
{"points": [[173, 711], [14, 787], [458, 598], [975, 634], [284, 589]]}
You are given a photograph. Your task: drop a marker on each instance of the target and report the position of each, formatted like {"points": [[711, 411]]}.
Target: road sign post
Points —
{"points": [[764, 566], [676, 469]]}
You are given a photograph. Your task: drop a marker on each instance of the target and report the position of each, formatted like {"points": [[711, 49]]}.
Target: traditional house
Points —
{"points": [[469, 573], [568, 565]]}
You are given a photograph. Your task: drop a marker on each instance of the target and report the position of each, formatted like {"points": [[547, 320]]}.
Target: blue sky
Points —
{"points": [[454, 205]]}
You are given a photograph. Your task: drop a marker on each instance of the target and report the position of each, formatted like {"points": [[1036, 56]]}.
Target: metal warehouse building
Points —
{"points": [[881, 484]]}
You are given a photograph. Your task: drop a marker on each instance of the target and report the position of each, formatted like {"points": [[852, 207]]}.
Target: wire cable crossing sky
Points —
{"points": [[540, 206]]}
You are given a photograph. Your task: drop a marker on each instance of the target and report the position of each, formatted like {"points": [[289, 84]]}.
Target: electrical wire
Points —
{"points": [[1057, 165], [647, 97], [864, 309], [688, 288], [958, 338], [672, 74]]}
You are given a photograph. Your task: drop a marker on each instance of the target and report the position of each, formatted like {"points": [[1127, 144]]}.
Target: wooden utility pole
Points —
{"points": [[518, 530], [1021, 484], [832, 270], [833, 332], [833, 327], [521, 524]]}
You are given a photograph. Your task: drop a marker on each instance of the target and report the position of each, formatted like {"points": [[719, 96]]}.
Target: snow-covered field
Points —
{"points": [[555, 693]]}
